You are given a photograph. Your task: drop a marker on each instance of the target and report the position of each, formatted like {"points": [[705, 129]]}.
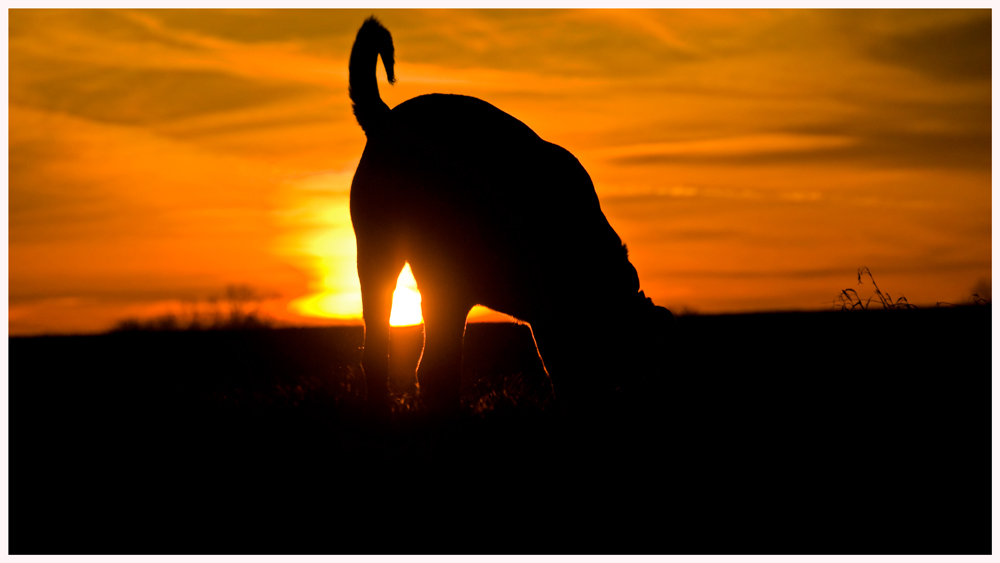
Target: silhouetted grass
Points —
{"points": [[502, 372], [849, 299], [977, 300], [508, 392]]}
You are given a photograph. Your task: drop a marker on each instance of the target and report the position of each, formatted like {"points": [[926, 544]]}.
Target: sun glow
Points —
{"points": [[332, 249], [347, 304], [406, 301], [330, 252]]}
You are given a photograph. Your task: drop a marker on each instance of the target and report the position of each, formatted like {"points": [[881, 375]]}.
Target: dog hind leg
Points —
{"points": [[440, 369], [378, 269]]}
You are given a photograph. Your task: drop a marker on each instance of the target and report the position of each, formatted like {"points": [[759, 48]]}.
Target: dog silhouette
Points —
{"points": [[488, 213]]}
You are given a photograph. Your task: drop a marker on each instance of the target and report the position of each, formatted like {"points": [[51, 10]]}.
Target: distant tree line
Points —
{"points": [[237, 309]]}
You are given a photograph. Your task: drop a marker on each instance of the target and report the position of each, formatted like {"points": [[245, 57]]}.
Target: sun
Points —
{"points": [[406, 301]]}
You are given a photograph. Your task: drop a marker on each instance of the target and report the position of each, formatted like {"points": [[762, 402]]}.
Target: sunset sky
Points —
{"points": [[751, 160]]}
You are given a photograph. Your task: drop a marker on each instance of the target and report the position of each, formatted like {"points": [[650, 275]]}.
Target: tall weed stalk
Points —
{"points": [[849, 300]]}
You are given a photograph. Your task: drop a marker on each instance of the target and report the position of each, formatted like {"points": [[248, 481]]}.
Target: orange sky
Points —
{"points": [[751, 160]]}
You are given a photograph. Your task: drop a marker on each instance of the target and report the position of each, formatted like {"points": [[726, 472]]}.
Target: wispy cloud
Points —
{"points": [[726, 147]]}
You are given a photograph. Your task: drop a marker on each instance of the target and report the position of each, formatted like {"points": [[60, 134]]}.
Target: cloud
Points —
{"points": [[879, 148], [951, 50], [256, 26], [725, 148], [544, 42], [48, 25], [137, 96]]}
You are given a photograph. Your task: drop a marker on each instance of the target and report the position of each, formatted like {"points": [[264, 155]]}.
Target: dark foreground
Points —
{"points": [[860, 432]]}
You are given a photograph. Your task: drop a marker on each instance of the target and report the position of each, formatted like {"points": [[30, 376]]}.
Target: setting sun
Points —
{"points": [[406, 301]]}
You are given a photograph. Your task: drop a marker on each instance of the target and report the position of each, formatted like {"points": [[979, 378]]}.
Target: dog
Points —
{"points": [[488, 213]]}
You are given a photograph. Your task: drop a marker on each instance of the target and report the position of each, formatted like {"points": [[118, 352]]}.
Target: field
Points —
{"points": [[840, 432]]}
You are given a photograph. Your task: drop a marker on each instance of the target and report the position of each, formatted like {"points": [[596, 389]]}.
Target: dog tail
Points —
{"points": [[373, 40]]}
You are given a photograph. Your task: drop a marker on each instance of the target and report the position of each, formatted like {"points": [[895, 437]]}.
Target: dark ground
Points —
{"points": [[841, 432]]}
